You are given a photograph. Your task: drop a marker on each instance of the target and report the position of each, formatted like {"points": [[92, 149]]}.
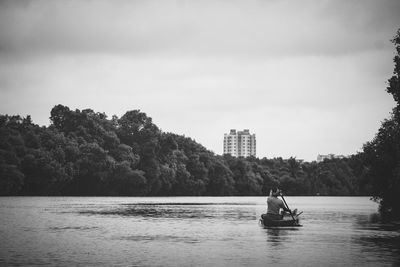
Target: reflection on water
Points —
{"points": [[181, 211], [78, 228], [169, 238], [192, 231], [276, 236], [371, 234]]}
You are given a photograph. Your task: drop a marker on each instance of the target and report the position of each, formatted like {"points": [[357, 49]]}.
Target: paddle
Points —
{"points": [[290, 211]]}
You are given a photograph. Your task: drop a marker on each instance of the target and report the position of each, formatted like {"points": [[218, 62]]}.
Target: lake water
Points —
{"points": [[191, 231]]}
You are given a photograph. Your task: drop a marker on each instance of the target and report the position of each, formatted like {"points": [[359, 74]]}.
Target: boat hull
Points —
{"points": [[285, 222]]}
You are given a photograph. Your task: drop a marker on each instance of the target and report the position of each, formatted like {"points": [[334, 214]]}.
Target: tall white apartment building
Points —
{"points": [[240, 143]]}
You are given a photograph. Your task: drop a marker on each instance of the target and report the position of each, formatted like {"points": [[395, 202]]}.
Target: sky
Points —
{"points": [[307, 77]]}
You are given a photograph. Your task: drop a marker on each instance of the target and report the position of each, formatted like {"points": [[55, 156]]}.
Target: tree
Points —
{"points": [[382, 154], [127, 182], [11, 180], [94, 168], [220, 177]]}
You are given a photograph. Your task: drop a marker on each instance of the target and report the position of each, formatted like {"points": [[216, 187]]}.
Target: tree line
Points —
{"points": [[83, 152]]}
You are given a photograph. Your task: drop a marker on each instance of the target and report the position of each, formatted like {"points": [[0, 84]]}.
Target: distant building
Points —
{"points": [[329, 156], [240, 143]]}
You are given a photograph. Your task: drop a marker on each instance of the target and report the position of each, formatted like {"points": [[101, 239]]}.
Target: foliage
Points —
{"points": [[84, 153], [382, 154]]}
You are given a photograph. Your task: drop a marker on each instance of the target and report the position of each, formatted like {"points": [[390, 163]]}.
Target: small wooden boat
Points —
{"points": [[290, 218], [286, 221]]}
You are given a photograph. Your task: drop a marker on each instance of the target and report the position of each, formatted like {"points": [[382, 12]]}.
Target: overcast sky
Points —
{"points": [[307, 77]]}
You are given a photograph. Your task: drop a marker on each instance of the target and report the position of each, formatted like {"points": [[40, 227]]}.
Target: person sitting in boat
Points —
{"points": [[275, 205]]}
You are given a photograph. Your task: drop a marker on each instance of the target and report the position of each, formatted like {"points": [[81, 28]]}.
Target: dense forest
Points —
{"points": [[83, 152], [382, 154]]}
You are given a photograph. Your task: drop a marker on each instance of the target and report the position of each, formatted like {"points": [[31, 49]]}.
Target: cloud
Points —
{"points": [[207, 28]]}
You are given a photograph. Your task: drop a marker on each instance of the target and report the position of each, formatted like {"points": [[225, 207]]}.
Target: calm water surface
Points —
{"points": [[191, 231]]}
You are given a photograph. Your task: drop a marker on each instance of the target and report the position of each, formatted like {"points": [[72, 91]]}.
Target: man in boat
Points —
{"points": [[274, 206]]}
